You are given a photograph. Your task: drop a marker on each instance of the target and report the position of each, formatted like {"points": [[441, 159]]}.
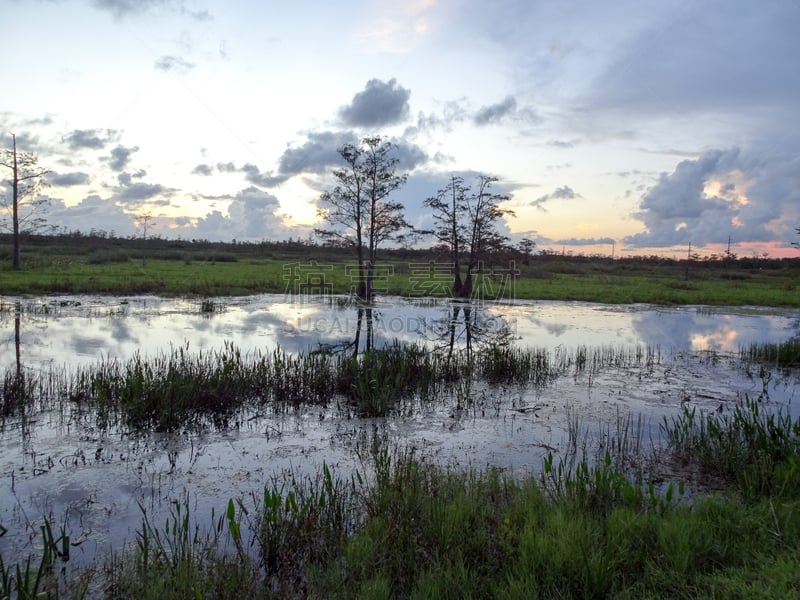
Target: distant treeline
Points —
{"points": [[76, 242]]}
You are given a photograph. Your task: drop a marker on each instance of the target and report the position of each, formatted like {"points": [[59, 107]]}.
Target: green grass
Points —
{"points": [[250, 276], [180, 268], [403, 527], [753, 448]]}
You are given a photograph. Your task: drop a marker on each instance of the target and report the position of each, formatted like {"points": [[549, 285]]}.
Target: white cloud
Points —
{"points": [[91, 213], [720, 194], [253, 215]]}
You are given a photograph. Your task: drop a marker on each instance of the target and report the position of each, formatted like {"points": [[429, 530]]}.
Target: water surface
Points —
{"points": [[98, 480]]}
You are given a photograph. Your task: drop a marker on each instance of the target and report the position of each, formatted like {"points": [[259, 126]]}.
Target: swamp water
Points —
{"points": [[644, 362]]}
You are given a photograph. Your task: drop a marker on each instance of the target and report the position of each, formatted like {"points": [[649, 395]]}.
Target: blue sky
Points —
{"points": [[648, 126]]}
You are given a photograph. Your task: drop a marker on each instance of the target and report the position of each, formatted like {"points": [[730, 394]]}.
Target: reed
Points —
{"points": [[753, 448], [784, 354], [403, 527], [184, 389]]}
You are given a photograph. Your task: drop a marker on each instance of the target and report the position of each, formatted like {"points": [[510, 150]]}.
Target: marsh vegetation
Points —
{"points": [[461, 460], [589, 525], [99, 263]]}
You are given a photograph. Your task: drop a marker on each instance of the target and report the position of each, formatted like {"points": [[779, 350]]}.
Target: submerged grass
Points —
{"points": [[402, 527], [187, 389], [783, 354]]}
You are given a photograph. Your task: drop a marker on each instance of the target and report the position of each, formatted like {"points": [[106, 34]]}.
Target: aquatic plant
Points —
{"points": [[783, 354], [401, 526], [182, 388], [754, 448]]}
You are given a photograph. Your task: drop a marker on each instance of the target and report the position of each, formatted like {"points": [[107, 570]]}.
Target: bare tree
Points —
{"points": [[145, 221], [359, 210], [26, 180], [797, 244], [467, 224], [449, 206]]}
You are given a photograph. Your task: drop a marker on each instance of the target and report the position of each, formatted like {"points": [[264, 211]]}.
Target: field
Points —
{"points": [[712, 510], [88, 265]]}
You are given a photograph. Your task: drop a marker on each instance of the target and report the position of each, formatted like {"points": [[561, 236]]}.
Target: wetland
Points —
{"points": [[123, 413]]}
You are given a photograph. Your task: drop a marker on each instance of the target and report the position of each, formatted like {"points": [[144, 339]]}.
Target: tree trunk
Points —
{"points": [[17, 258]]}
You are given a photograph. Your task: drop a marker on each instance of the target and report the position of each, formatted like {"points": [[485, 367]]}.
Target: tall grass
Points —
{"points": [[211, 389], [753, 448], [783, 354], [403, 527]]}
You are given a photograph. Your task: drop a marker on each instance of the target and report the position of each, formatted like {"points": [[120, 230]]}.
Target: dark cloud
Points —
{"points": [[585, 241], [26, 141], [126, 178], [561, 193], [120, 157], [68, 179], [707, 56], [202, 169], [174, 63], [125, 8], [141, 191], [495, 112], [409, 156], [254, 175], [677, 210], [317, 154], [563, 143], [228, 167], [380, 103], [92, 139]]}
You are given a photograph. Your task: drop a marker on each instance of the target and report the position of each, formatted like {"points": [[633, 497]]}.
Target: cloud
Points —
{"points": [[93, 212], [125, 8], [228, 167], [705, 56], [380, 103], [68, 179], [126, 178], [409, 156], [254, 175], [120, 157], [561, 193], [452, 113], [174, 63], [202, 169], [139, 191], [720, 194], [584, 241], [563, 143], [495, 112], [397, 27], [92, 139], [253, 215], [317, 154]]}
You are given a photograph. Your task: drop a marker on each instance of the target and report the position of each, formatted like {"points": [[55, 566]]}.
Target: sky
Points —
{"points": [[629, 127]]}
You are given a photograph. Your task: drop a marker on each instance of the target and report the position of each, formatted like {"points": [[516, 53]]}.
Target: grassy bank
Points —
{"points": [[111, 266], [405, 528]]}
